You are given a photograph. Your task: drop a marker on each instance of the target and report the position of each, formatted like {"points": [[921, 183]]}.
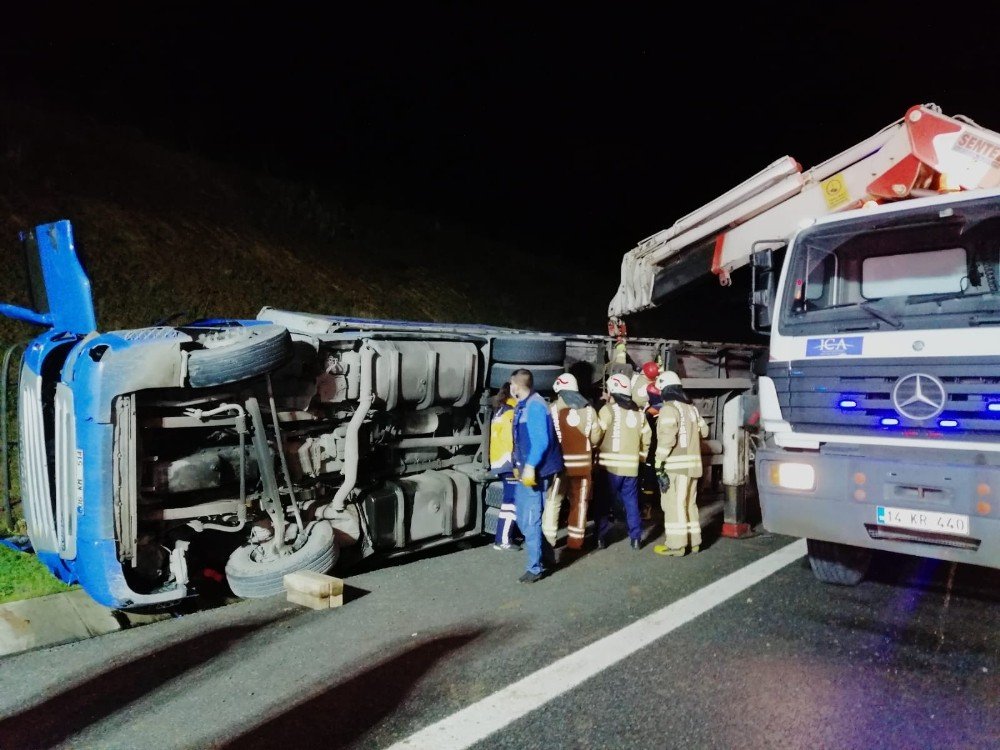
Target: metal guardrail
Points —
{"points": [[6, 442]]}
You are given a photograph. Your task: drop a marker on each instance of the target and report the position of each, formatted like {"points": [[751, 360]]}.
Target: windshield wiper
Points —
{"points": [[916, 299], [884, 316]]}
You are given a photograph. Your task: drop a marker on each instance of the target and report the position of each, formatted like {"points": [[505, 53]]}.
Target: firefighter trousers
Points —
{"points": [[681, 524], [578, 490]]}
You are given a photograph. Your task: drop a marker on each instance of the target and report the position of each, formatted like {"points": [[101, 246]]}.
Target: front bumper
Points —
{"points": [[849, 488]]}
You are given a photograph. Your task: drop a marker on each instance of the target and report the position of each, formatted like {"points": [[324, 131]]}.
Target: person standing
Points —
{"points": [[537, 460], [577, 428], [502, 464], [679, 429], [623, 445], [644, 393]]}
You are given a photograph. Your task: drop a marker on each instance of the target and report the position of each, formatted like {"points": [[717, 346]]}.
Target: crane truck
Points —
{"points": [[875, 276]]}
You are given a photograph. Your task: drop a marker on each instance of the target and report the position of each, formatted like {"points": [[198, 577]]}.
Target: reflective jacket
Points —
{"points": [[535, 441], [575, 429], [625, 440], [679, 429], [502, 438]]}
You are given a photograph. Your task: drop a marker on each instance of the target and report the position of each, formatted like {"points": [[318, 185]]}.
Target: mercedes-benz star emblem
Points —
{"points": [[919, 396]]}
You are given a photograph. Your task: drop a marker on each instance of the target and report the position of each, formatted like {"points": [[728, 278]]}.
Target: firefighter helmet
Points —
{"points": [[651, 370], [667, 378], [565, 382], [618, 384]]}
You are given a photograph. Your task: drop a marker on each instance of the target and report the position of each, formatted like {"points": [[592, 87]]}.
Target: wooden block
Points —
{"points": [[313, 602], [314, 590]]}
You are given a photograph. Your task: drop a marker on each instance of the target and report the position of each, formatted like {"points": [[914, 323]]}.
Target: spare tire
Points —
{"points": [[253, 578], [235, 353], [544, 375], [530, 349]]}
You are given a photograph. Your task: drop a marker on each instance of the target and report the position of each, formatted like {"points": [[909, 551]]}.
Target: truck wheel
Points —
{"points": [[840, 564], [252, 577], [544, 375], [237, 353], [531, 350]]}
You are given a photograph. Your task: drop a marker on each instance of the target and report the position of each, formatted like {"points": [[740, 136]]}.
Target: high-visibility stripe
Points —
{"points": [[680, 461], [619, 461], [555, 419]]}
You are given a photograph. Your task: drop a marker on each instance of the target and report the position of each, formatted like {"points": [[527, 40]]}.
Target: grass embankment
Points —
{"points": [[22, 576], [163, 232]]}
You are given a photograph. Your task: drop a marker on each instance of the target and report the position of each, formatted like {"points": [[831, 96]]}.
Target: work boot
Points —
{"points": [[602, 543], [662, 549], [529, 577], [636, 544]]}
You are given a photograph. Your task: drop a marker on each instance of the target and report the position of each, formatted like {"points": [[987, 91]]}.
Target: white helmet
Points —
{"points": [[667, 378], [618, 384], [565, 382]]}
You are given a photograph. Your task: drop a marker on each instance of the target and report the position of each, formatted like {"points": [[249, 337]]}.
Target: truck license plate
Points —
{"points": [[925, 520]]}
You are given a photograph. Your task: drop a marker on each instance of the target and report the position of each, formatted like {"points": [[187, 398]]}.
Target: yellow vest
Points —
{"points": [[502, 438]]}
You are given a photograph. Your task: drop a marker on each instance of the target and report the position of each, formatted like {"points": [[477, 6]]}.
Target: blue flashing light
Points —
{"points": [[947, 423], [848, 403], [994, 406], [889, 421]]}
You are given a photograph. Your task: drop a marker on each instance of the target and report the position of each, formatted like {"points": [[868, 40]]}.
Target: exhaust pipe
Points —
{"points": [[351, 456]]}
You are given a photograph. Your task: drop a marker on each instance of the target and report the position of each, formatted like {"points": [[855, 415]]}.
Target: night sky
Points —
{"points": [[578, 127]]}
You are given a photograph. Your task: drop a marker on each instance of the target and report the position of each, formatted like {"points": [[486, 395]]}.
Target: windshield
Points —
{"points": [[932, 268]]}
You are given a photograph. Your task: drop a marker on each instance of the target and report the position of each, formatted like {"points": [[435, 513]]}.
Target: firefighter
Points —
{"points": [[623, 445], [577, 428], [643, 391], [679, 429]]}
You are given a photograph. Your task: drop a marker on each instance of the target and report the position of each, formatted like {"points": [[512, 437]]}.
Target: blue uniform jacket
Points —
{"points": [[535, 441]]}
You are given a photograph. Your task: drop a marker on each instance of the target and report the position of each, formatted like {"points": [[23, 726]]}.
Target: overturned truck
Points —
{"points": [[288, 442]]}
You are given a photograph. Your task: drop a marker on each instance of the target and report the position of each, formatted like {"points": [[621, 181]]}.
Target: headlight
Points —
{"points": [[793, 476]]}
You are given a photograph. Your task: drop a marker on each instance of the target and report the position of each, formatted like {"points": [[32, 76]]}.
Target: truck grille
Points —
{"points": [[67, 491], [959, 401], [36, 488]]}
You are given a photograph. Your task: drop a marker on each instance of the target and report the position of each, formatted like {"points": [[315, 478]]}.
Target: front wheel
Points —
{"points": [[252, 573], [840, 564]]}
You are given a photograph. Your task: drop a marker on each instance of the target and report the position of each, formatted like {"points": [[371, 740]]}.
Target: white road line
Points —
{"points": [[481, 719]]}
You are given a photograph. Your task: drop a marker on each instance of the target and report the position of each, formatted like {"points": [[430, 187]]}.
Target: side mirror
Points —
{"points": [[763, 282]]}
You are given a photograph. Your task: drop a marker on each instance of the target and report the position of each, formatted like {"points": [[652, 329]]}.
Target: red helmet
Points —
{"points": [[651, 370]]}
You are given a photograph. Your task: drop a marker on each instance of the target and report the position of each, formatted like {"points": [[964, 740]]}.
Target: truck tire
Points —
{"points": [[252, 579], [544, 375], [237, 353], [840, 564], [531, 350]]}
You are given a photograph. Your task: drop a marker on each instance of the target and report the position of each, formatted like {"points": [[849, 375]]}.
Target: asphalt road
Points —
{"points": [[908, 659]]}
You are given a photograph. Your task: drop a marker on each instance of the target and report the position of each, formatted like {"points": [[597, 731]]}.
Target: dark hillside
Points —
{"points": [[164, 232]]}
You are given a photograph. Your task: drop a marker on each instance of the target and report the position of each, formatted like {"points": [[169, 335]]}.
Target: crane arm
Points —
{"points": [[923, 152]]}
